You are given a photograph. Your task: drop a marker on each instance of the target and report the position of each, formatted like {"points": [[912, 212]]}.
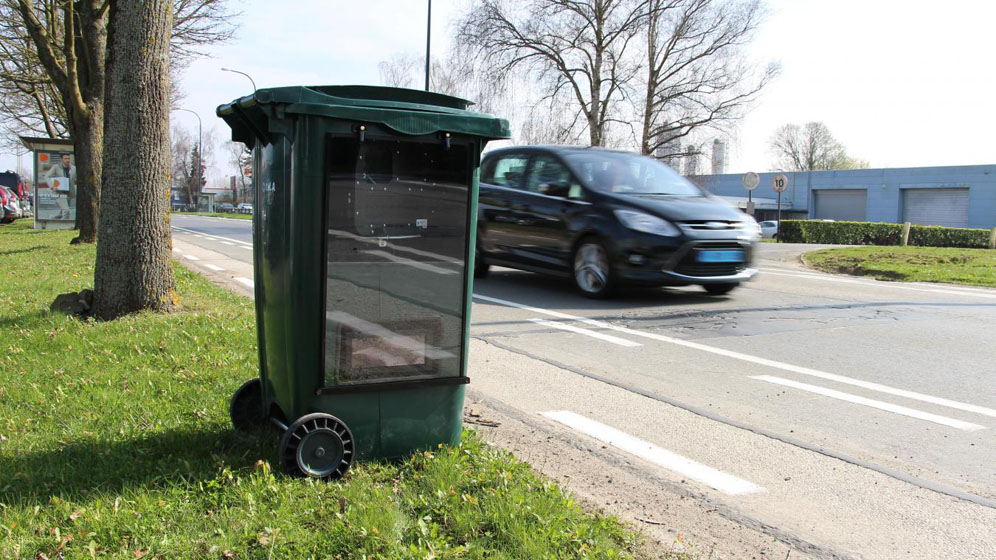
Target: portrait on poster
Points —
{"points": [[56, 186]]}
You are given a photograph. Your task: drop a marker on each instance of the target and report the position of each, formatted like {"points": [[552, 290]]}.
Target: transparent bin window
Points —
{"points": [[397, 240]]}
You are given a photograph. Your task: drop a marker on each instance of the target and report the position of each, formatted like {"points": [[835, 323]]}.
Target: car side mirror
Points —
{"points": [[554, 189]]}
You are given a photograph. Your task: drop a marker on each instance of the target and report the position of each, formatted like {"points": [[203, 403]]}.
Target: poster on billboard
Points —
{"points": [[56, 185]]}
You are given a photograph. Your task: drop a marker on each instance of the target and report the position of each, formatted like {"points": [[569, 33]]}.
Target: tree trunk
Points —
{"points": [[134, 269], [88, 142]]}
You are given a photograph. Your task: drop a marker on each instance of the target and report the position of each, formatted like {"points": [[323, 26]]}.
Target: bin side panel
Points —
{"points": [[418, 419], [361, 414]]}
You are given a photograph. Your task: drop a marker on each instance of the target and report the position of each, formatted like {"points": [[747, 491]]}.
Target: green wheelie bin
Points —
{"points": [[363, 248]]}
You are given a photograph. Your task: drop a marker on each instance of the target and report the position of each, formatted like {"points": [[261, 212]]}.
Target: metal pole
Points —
{"points": [[779, 212], [428, 36], [244, 74]]}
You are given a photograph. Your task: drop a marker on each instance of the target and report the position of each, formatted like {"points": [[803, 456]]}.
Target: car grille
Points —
{"points": [[689, 265], [709, 225], [709, 269]]}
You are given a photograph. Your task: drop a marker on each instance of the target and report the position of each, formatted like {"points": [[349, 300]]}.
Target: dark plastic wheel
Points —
{"points": [[246, 409], [318, 446], [480, 267], [592, 269], [719, 289]]}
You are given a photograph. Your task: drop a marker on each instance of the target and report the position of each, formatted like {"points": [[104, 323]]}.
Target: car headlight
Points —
{"points": [[646, 223], [751, 228]]}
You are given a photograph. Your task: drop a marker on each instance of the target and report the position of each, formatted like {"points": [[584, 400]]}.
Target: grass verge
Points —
{"points": [[218, 215], [974, 267], [115, 443]]}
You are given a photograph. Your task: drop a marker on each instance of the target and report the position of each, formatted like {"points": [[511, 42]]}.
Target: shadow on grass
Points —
{"points": [[22, 250], [161, 460]]}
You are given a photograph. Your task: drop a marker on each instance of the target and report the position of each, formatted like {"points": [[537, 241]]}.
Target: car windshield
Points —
{"points": [[625, 173]]}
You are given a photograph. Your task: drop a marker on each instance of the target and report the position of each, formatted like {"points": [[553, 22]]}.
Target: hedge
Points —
{"points": [[873, 233]]}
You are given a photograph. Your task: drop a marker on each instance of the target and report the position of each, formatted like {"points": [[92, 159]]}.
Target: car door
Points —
{"points": [[501, 182], [545, 213]]}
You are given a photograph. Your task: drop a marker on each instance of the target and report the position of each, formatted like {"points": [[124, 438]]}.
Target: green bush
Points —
{"points": [[873, 233]]}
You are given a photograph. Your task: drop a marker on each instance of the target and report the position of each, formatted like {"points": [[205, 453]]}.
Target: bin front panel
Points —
{"points": [[397, 215]]}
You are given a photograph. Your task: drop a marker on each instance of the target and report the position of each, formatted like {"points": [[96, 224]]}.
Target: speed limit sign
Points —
{"points": [[779, 183]]}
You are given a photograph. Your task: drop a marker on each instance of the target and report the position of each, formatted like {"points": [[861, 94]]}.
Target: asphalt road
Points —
{"points": [[844, 417]]}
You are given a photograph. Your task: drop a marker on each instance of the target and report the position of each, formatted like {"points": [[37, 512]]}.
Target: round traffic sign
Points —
{"points": [[780, 182], [751, 180]]}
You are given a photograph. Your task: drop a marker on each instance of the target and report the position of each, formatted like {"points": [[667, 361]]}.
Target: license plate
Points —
{"points": [[721, 256]]}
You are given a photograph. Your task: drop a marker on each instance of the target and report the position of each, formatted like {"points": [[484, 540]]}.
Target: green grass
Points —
{"points": [[218, 215], [115, 443], [974, 267]]}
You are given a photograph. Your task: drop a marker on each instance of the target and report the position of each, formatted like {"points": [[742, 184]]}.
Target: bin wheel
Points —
{"points": [[246, 409], [318, 446]]}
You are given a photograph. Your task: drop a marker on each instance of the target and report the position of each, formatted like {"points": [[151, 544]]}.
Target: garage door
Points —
{"points": [[840, 204], [936, 207]]}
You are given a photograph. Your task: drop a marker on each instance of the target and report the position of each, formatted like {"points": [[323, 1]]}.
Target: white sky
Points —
{"points": [[900, 83]]}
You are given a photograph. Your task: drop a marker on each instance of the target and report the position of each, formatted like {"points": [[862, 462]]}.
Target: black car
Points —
{"points": [[606, 218]]}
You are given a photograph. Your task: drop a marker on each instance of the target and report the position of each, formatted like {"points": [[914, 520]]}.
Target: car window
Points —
{"points": [[547, 170], [627, 173], [509, 171]]}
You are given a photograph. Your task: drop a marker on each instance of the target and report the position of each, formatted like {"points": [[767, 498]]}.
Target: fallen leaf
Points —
{"points": [[140, 553], [75, 515]]}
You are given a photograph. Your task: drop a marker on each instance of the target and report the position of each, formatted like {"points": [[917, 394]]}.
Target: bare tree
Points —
{"points": [[68, 42], [810, 147], [134, 268], [29, 102], [240, 157], [400, 71], [577, 49], [696, 75]]}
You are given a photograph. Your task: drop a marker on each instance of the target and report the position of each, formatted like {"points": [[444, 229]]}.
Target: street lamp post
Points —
{"points": [[428, 35], [244, 74], [200, 147]]}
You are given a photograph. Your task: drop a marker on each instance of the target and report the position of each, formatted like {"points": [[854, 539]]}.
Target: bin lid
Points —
{"points": [[406, 111]]}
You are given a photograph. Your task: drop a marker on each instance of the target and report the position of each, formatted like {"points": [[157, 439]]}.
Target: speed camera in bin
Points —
{"points": [[364, 228]]}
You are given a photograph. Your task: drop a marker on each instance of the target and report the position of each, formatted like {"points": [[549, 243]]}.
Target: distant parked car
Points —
{"points": [[10, 207], [244, 208], [226, 208], [769, 229]]}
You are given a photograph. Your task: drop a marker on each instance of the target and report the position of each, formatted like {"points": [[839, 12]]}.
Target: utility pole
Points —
{"points": [[428, 37]]}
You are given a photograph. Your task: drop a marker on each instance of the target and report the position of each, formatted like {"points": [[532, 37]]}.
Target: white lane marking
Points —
{"points": [[175, 250], [191, 257], [912, 413], [214, 267], [198, 234], [402, 345], [759, 361], [586, 332], [714, 478], [411, 263], [246, 281], [377, 240], [208, 238], [881, 284], [227, 243]]}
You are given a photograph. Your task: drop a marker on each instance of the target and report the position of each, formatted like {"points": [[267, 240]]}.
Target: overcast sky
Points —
{"points": [[900, 83]]}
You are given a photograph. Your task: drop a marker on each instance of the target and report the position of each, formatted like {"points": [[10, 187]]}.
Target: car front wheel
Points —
{"points": [[592, 269]]}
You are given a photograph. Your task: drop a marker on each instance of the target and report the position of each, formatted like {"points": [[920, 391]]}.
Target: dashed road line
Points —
{"points": [[756, 360], [246, 281], [587, 332], [191, 257], [713, 478], [214, 267], [881, 405], [410, 262]]}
